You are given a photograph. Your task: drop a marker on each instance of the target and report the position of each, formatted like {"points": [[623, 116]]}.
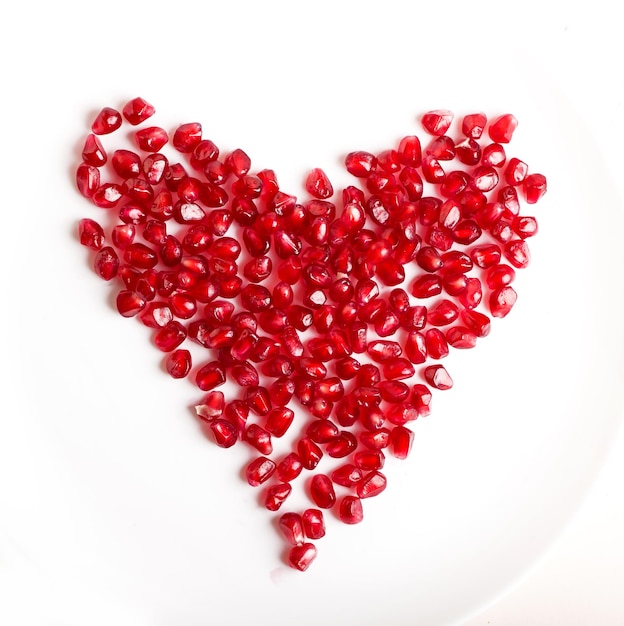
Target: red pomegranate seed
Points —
{"points": [[524, 226], [499, 275], [426, 286], [438, 377], [245, 374], [461, 337], [278, 420], [437, 122], [258, 400], [437, 346], [421, 399], [341, 446], [129, 303], [416, 347], [393, 391], [137, 110], [317, 184], [140, 256], [401, 440], [472, 295], [187, 136], [179, 363], [87, 180], [276, 496], [93, 152], [309, 452], [291, 526], [321, 431], [301, 556], [534, 187], [169, 337], [91, 234], [477, 322], [350, 510], [432, 170], [486, 256], [106, 263], [371, 485], [289, 467], [502, 129], [151, 139], [473, 125], [516, 171], [211, 406], [237, 162], [517, 253], [210, 375], [224, 432], [259, 471], [259, 438], [502, 301], [347, 475], [106, 121], [493, 155], [375, 439], [443, 313], [398, 369], [107, 195], [313, 523], [442, 148], [122, 235], [322, 491], [360, 164], [369, 460]]}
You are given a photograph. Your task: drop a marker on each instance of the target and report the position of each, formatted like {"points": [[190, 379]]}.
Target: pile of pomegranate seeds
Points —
{"points": [[329, 314]]}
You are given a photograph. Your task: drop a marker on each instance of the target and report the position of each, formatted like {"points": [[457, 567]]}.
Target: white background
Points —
{"points": [[60, 63]]}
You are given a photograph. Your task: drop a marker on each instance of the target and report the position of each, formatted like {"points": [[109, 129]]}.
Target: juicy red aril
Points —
{"points": [[276, 496], [371, 485], [309, 452], [515, 171], [347, 475], [369, 460], [289, 467], [499, 275], [486, 256], [461, 337], [360, 164], [517, 253], [401, 440], [187, 136], [91, 234], [322, 491], [473, 125], [87, 180], [210, 375], [106, 121], [438, 377], [259, 471], [259, 438], [291, 526], [301, 556], [443, 313], [477, 322], [421, 399], [341, 446], [129, 303], [224, 432], [151, 139], [93, 153], [317, 184], [350, 510], [534, 187], [524, 226], [313, 523], [437, 122], [211, 406], [502, 129], [502, 301], [279, 420], [106, 263], [179, 363], [137, 110]]}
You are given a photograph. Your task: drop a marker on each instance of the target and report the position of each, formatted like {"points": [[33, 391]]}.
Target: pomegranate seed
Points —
{"points": [[442, 148], [211, 407], [398, 369], [486, 256], [210, 376], [426, 286], [179, 363], [401, 440], [493, 155], [291, 526], [156, 315], [169, 337], [87, 180], [534, 187], [473, 125], [258, 400], [437, 346], [517, 253], [461, 337], [371, 485], [259, 471], [224, 432], [524, 226], [438, 377], [317, 184], [375, 440], [502, 301], [516, 171], [137, 110], [350, 510], [301, 556], [140, 256], [421, 399], [151, 139], [313, 523], [393, 391], [443, 313], [477, 322], [93, 152], [369, 460], [91, 234], [259, 438], [278, 420], [437, 122], [187, 136], [309, 452], [499, 275], [347, 475], [341, 446], [429, 259], [129, 303], [416, 347], [107, 196], [237, 162], [321, 431], [106, 263], [276, 496], [360, 164], [322, 491], [502, 129], [106, 121], [289, 467], [245, 375]]}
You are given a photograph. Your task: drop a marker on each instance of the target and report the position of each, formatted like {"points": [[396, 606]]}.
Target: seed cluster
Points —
{"points": [[306, 305]]}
